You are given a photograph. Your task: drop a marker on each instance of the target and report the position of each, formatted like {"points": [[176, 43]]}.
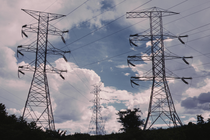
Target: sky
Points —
{"points": [[98, 39]]}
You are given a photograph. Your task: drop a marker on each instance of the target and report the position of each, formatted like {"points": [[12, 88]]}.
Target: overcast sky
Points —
{"points": [[98, 40]]}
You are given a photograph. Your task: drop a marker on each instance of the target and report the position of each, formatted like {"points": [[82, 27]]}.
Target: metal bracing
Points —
{"points": [[38, 106], [97, 123], [161, 106]]}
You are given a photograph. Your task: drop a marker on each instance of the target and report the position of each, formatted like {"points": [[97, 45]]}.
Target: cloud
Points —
{"points": [[199, 102], [8, 64], [189, 103], [126, 74], [122, 66], [69, 93]]}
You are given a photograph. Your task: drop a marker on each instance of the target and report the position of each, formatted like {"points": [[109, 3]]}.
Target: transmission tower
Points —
{"points": [[161, 106], [97, 123], [38, 106]]}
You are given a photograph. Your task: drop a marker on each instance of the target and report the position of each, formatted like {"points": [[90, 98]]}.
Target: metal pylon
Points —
{"points": [[38, 106], [97, 123], [161, 106]]}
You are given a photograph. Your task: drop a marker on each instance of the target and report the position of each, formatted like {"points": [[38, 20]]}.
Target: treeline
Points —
{"points": [[12, 127]]}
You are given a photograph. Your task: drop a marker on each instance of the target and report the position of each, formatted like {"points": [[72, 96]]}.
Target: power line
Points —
{"points": [[77, 73], [178, 4], [73, 97], [51, 5], [188, 15], [103, 26], [45, 10], [108, 58], [67, 94], [107, 35], [103, 12], [196, 28], [12, 94], [113, 34], [110, 23], [72, 11], [78, 90], [11, 101]]}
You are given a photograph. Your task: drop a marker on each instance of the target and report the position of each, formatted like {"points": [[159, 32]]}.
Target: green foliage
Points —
{"points": [[200, 119], [130, 120], [59, 134], [12, 128]]}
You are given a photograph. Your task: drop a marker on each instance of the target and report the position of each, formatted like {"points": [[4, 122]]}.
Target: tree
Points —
{"points": [[131, 120], [200, 119]]}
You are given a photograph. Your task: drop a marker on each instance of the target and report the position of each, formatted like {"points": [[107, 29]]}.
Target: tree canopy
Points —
{"points": [[130, 119]]}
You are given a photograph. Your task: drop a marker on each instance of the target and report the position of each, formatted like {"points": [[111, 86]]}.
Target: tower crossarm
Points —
{"points": [[133, 39], [136, 80], [32, 48], [49, 69], [34, 29], [26, 48], [36, 14], [137, 58], [151, 12]]}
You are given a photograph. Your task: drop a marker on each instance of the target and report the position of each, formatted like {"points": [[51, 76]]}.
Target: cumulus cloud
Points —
{"points": [[126, 74], [8, 64], [199, 102]]}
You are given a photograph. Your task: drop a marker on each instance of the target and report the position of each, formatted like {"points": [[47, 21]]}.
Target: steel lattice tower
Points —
{"points": [[161, 105], [38, 106], [97, 123]]}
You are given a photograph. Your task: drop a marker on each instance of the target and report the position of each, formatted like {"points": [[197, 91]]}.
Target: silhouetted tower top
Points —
{"points": [[150, 12], [38, 14]]}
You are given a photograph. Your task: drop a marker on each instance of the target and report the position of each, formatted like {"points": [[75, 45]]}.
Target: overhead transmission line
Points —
{"points": [[104, 11], [43, 11], [71, 86], [108, 58], [77, 90], [67, 14], [11, 101], [76, 9], [86, 21], [72, 11], [196, 28], [103, 26], [188, 15], [110, 23], [78, 74], [113, 34]]}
